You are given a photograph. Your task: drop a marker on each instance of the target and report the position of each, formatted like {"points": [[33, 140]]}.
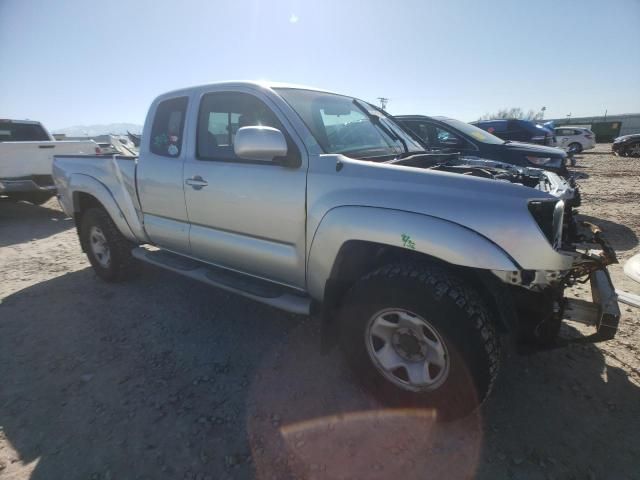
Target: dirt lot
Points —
{"points": [[162, 377]]}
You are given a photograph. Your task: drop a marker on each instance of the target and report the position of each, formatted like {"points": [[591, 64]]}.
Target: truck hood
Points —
{"points": [[537, 178], [497, 210]]}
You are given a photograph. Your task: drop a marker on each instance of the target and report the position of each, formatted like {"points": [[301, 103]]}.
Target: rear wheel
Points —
{"points": [[417, 336], [575, 147], [108, 251]]}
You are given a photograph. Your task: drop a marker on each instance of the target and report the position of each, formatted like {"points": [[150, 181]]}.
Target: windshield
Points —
{"points": [[473, 131], [348, 126]]}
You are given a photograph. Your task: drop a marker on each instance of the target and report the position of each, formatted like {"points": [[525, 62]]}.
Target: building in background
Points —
{"points": [[606, 127]]}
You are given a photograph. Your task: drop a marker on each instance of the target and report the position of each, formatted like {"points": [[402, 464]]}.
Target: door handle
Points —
{"points": [[46, 146], [196, 182]]}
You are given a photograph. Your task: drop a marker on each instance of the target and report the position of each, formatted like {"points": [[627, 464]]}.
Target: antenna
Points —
{"points": [[383, 102]]}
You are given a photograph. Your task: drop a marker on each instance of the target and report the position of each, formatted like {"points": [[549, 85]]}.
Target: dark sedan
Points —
{"points": [[449, 135], [627, 145]]}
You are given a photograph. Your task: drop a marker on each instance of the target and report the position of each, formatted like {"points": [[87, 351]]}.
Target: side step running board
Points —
{"points": [[257, 289]]}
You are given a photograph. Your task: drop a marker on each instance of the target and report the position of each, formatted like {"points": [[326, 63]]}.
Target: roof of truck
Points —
{"points": [[27, 122], [249, 83]]}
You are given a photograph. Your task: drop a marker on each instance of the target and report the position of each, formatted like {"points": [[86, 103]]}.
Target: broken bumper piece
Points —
{"points": [[603, 312]]}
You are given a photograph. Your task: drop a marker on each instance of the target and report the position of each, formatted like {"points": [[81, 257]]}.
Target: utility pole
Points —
{"points": [[542, 110], [383, 103]]}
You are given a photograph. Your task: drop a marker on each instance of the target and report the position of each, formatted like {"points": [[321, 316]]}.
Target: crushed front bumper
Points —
{"points": [[603, 312]]}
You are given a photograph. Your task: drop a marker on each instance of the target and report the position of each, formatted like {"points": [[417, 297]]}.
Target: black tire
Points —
{"points": [[635, 153], [576, 147], [455, 312], [120, 264]]}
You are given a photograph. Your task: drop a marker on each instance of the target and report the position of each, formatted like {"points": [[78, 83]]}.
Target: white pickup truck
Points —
{"points": [[26, 157]]}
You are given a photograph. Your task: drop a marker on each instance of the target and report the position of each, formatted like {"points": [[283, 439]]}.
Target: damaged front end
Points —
{"points": [[540, 300], [592, 255]]}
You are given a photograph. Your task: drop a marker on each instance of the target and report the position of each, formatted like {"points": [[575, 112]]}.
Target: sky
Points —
{"points": [[72, 62]]}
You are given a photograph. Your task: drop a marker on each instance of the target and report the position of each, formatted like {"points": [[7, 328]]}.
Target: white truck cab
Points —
{"points": [[26, 158]]}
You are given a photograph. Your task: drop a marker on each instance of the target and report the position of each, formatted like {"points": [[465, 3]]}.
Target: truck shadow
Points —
{"points": [[162, 377], [619, 236], [40, 222]]}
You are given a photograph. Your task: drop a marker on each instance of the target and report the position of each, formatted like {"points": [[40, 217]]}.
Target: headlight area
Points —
{"points": [[549, 215], [544, 161]]}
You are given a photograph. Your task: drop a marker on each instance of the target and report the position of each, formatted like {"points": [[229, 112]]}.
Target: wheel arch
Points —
{"points": [[353, 241], [90, 193]]}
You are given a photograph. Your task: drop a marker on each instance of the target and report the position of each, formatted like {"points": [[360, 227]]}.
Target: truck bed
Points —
{"points": [[111, 177]]}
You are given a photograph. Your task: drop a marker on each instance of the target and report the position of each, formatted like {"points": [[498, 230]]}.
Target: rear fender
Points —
{"points": [[431, 236], [79, 183]]}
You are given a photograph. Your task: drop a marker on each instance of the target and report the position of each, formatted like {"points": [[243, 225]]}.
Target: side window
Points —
{"points": [[420, 129], [446, 138], [220, 117], [495, 127], [168, 126]]}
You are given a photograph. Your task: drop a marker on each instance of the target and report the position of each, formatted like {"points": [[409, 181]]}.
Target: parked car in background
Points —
{"points": [[26, 157], [450, 135], [575, 139], [627, 145], [308, 200], [518, 131]]}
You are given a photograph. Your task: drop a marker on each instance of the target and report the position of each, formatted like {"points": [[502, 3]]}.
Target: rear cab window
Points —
{"points": [[22, 132], [168, 127]]}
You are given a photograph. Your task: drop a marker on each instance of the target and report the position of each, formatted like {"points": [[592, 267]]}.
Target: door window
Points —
{"points": [[220, 117], [420, 129], [168, 127]]}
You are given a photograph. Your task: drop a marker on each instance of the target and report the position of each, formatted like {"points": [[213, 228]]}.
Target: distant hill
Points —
{"points": [[95, 130]]}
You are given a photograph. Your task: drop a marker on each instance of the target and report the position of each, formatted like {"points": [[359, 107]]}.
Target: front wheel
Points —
{"points": [[108, 251], [632, 150], [418, 336]]}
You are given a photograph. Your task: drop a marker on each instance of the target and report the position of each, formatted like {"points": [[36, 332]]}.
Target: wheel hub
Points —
{"points": [[99, 247], [407, 344], [407, 349]]}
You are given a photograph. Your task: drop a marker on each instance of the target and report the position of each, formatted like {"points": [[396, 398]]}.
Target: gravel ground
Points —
{"points": [[162, 377]]}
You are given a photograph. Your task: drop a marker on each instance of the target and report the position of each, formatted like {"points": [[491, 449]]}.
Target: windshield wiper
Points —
{"points": [[375, 119]]}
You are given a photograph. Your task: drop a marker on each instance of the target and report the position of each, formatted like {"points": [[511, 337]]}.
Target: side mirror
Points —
{"points": [[259, 143]]}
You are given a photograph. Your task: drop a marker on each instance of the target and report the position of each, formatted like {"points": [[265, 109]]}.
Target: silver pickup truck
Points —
{"points": [[311, 202]]}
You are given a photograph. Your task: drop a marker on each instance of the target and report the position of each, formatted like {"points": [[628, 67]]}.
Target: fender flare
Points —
{"points": [[81, 183], [416, 232]]}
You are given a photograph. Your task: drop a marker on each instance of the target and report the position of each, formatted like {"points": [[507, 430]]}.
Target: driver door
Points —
{"points": [[248, 216]]}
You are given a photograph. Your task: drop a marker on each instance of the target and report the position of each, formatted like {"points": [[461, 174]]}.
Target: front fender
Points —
{"points": [[433, 236], [80, 183]]}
